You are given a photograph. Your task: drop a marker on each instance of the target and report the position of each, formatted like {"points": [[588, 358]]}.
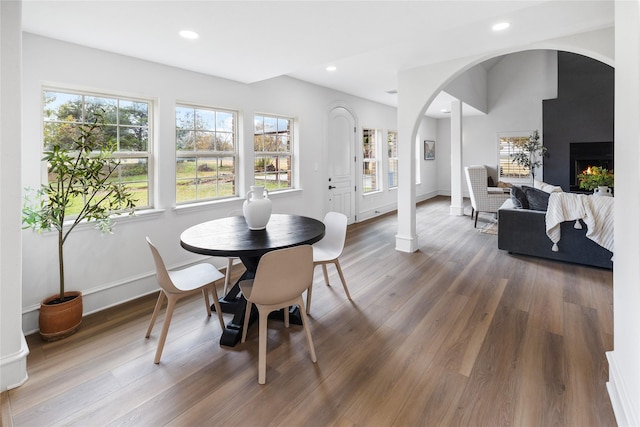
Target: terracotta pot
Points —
{"points": [[58, 321]]}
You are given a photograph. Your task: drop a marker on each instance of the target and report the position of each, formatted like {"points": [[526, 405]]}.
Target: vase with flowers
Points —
{"points": [[598, 179]]}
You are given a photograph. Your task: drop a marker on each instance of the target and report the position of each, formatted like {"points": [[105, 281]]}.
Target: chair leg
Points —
{"points": [[216, 304], [247, 314], [472, 212], [262, 346], [207, 303], [475, 224], [344, 283], [326, 275], [309, 289], [285, 313], [307, 331], [165, 328], [227, 275], [156, 310]]}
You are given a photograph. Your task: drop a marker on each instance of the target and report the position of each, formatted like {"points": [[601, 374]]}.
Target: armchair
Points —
{"points": [[483, 199]]}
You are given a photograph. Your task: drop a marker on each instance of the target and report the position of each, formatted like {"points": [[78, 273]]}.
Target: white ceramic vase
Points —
{"points": [[257, 208], [602, 190]]}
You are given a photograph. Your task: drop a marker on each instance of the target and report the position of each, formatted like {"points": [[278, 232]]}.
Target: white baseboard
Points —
{"points": [[13, 368], [106, 296], [623, 408]]}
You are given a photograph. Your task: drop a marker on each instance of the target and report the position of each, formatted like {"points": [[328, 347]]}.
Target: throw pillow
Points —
{"points": [[519, 198], [538, 200], [546, 187]]}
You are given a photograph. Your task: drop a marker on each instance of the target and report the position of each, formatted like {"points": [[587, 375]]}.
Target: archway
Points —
{"points": [[419, 87]]}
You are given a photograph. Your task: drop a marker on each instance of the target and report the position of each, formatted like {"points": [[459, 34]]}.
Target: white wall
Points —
{"points": [[516, 86], [13, 347], [427, 170], [110, 269], [624, 360]]}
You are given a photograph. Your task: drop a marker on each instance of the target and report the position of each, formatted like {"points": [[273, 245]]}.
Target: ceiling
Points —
{"points": [[368, 41]]}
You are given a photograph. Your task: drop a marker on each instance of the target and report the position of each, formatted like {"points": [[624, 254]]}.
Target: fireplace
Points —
{"points": [[585, 154]]}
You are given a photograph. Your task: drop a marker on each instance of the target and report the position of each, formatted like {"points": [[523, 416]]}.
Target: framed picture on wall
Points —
{"points": [[429, 150]]}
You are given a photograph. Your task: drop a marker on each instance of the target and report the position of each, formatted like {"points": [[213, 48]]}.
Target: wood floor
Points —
{"points": [[456, 334]]}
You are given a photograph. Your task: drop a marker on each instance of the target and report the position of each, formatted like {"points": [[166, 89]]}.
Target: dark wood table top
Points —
{"points": [[231, 237]]}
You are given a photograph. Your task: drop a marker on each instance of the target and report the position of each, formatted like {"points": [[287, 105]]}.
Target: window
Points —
{"points": [[369, 160], [273, 152], [126, 125], [392, 148], [205, 154], [510, 145]]}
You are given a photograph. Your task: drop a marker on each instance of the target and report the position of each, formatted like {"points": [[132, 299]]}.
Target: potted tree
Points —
{"points": [[81, 175], [530, 154]]}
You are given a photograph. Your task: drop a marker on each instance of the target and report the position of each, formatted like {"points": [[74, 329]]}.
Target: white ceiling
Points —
{"points": [[368, 41]]}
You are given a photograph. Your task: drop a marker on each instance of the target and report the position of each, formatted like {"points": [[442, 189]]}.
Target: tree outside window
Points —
{"points": [[370, 182], [205, 154], [273, 152], [126, 126]]}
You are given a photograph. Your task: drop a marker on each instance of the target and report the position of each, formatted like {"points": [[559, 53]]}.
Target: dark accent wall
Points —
{"points": [[582, 112]]}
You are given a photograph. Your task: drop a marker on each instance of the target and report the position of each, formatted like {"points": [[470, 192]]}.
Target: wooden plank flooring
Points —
{"points": [[456, 334]]}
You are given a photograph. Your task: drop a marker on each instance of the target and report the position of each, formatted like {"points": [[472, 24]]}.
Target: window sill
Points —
{"points": [[141, 215], [193, 207]]}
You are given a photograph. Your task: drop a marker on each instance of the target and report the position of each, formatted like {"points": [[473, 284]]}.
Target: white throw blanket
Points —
{"points": [[595, 211]]}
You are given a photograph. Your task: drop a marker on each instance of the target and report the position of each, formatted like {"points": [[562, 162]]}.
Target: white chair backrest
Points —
{"points": [[335, 233], [283, 274], [164, 280]]}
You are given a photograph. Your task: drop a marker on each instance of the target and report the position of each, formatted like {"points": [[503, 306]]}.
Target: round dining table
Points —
{"points": [[231, 237]]}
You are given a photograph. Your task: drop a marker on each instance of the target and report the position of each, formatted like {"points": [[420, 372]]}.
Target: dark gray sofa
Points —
{"points": [[523, 231]]}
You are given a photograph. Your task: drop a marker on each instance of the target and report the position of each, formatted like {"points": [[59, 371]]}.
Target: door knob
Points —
{"points": [[331, 187]]}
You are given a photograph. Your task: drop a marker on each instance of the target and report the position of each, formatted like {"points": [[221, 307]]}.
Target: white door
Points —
{"points": [[341, 163]]}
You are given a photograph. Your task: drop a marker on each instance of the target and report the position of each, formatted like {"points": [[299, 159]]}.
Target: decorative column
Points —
{"points": [[456, 208]]}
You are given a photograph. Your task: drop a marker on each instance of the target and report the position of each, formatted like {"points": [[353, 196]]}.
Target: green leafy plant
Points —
{"points": [[81, 172], [595, 177], [531, 153]]}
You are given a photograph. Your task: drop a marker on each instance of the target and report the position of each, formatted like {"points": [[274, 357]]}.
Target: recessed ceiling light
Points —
{"points": [[444, 110], [332, 68], [501, 26], [188, 34]]}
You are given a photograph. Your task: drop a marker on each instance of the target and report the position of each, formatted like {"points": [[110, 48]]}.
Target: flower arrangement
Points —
{"points": [[594, 177]]}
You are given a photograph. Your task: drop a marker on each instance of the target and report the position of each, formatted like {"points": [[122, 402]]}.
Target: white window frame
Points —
{"points": [[122, 156], [375, 160], [392, 160], [507, 146], [201, 155], [291, 173]]}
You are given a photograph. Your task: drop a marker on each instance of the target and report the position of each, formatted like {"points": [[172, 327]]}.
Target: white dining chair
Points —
{"points": [[177, 284], [329, 249], [281, 278]]}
